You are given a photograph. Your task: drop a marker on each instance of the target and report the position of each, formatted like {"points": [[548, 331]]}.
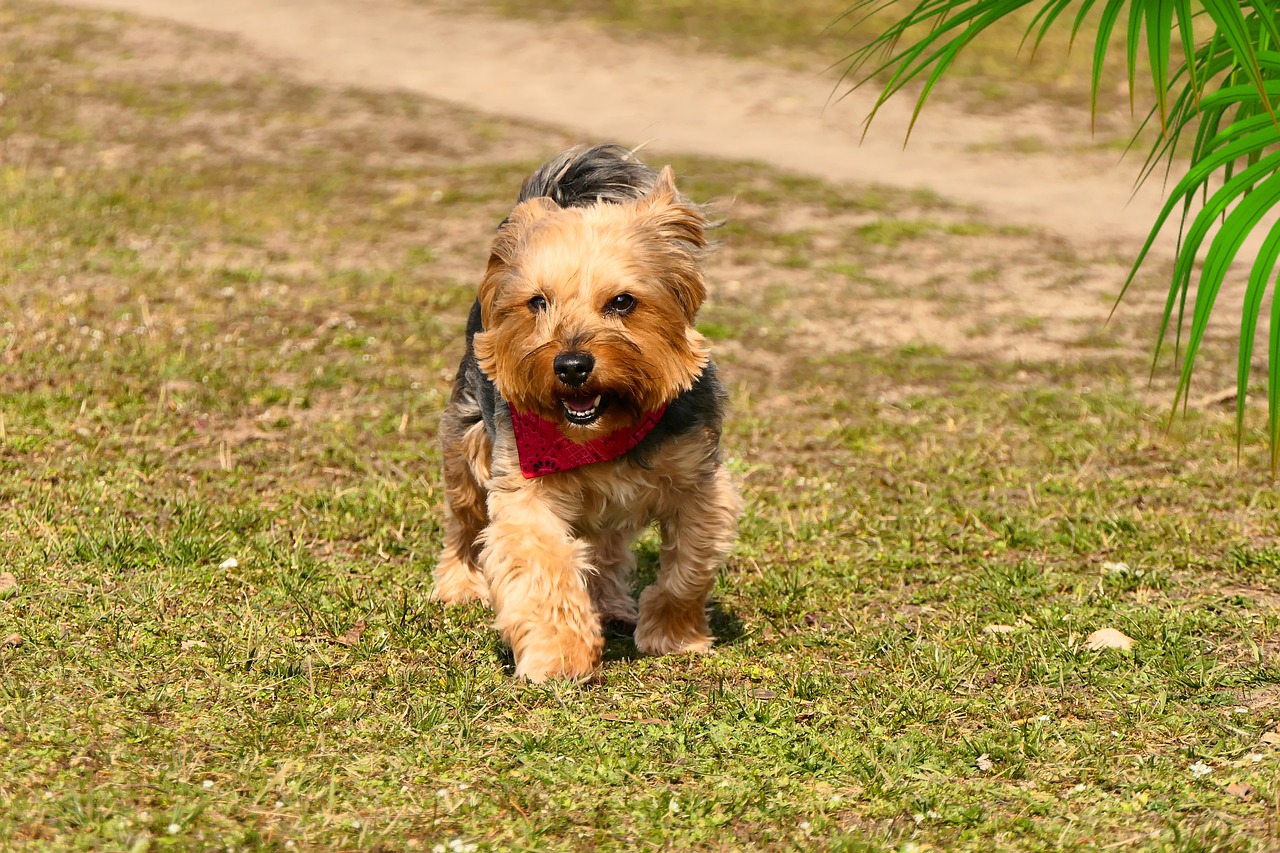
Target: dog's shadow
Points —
{"points": [[619, 637]]}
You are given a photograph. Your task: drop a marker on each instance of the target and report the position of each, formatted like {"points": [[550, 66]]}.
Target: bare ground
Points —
{"points": [[685, 102], [1062, 222]]}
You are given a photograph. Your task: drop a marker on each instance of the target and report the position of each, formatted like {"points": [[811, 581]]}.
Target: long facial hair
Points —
{"points": [[576, 260]]}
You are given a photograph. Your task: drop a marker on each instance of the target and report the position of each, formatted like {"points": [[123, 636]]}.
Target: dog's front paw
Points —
{"points": [[654, 639], [668, 627], [458, 583], [570, 659]]}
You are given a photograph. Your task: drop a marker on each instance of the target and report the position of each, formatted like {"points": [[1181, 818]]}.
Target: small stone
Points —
{"points": [[1108, 638], [1241, 790]]}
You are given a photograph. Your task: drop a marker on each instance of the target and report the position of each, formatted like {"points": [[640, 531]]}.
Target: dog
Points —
{"points": [[587, 407]]}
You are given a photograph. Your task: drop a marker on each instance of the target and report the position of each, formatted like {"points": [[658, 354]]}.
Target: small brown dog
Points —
{"points": [[587, 407]]}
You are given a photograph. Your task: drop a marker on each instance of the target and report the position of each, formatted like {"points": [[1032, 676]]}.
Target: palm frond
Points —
{"points": [[1218, 95]]}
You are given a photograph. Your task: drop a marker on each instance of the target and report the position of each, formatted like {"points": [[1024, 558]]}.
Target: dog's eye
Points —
{"points": [[622, 304], [538, 304]]}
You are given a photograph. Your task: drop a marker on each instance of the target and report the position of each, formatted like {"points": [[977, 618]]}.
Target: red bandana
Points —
{"points": [[543, 448]]}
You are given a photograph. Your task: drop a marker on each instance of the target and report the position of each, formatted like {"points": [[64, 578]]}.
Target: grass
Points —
{"points": [[231, 303]]}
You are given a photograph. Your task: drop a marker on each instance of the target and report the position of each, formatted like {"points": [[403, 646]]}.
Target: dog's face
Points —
{"points": [[588, 312]]}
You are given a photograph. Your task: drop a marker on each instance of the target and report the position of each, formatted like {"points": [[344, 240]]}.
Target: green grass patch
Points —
{"points": [[231, 308]]}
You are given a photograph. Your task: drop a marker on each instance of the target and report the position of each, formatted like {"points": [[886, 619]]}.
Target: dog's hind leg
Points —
{"points": [[697, 533], [457, 576], [610, 583]]}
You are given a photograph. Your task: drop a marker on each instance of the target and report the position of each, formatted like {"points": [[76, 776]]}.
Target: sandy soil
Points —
{"points": [[679, 102]]}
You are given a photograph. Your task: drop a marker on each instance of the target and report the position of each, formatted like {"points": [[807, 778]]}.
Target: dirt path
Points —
{"points": [[578, 78]]}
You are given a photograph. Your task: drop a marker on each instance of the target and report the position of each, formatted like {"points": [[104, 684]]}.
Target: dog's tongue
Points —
{"points": [[581, 404]]}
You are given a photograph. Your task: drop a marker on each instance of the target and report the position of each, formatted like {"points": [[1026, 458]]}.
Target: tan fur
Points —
{"points": [[552, 554], [580, 258]]}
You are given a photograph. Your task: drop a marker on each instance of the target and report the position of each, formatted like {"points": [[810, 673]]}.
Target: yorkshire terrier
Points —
{"points": [[586, 407]]}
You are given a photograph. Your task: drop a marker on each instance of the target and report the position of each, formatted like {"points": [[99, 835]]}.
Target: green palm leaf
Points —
{"points": [[1100, 45], [1254, 293], [1219, 92], [1159, 37], [1185, 22]]}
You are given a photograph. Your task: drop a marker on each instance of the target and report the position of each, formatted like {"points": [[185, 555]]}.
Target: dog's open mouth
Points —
{"points": [[584, 409]]}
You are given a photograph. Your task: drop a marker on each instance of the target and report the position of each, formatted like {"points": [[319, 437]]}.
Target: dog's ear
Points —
{"points": [[507, 247], [673, 217], [680, 229]]}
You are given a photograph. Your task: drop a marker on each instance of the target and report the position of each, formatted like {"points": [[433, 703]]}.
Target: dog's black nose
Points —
{"points": [[573, 368]]}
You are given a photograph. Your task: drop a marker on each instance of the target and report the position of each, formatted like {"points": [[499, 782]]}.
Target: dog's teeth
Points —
{"points": [[595, 402], [582, 414]]}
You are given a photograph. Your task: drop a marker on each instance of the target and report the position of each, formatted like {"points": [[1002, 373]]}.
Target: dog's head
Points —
{"points": [[588, 311]]}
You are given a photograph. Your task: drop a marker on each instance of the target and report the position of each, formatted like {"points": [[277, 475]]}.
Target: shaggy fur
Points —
{"points": [[599, 259]]}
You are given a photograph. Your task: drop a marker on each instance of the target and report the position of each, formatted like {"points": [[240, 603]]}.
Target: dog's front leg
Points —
{"points": [[537, 573], [697, 533]]}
